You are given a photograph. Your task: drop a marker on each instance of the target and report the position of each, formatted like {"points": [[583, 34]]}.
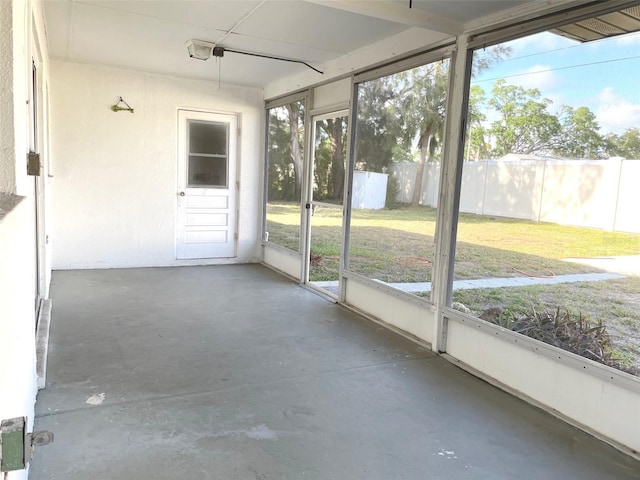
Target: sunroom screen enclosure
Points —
{"points": [[552, 145], [505, 193]]}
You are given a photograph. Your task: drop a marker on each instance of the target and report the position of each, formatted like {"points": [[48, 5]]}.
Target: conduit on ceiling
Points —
{"points": [[203, 50]]}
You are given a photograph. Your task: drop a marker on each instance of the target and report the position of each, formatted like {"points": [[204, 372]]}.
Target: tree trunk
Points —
{"points": [[425, 152], [337, 160], [417, 186], [296, 155]]}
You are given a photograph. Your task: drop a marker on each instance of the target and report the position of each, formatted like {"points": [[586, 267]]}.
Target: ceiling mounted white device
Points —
{"points": [[204, 50], [199, 49]]}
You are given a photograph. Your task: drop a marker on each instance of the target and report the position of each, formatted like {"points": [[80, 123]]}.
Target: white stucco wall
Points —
{"points": [[13, 54], [17, 322], [7, 166], [20, 25], [115, 173]]}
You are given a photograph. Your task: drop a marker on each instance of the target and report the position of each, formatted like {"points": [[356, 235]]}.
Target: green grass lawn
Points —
{"points": [[614, 303], [398, 246]]}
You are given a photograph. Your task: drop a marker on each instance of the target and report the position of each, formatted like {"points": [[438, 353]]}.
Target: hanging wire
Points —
{"points": [[219, 62], [261, 55]]}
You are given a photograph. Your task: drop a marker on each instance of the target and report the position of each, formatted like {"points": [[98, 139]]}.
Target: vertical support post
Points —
{"points": [[307, 189], [265, 184], [449, 192], [348, 187]]}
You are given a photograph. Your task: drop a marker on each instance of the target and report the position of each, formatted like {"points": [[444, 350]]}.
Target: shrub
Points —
{"points": [[393, 190], [569, 332]]}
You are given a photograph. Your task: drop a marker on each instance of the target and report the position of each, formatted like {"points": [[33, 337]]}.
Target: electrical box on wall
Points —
{"points": [[12, 436], [33, 164], [16, 445]]}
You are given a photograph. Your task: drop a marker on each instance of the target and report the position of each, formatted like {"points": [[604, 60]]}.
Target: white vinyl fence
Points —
{"points": [[369, 190], [588, 193]]}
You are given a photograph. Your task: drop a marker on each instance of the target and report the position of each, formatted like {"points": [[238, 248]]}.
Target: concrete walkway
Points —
{"points": [[624, 264], [420, 287]]}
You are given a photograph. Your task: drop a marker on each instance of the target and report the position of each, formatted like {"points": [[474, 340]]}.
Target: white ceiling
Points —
{"points": [[150, 35]]}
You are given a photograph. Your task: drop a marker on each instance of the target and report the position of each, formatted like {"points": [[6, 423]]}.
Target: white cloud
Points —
{"points": [[630, 39], [537, 76], [540, 43], [614, 113], [546, 81]]}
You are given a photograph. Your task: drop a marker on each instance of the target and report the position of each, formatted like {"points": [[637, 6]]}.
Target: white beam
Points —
{"points": [[449, 191], [393, 12]]}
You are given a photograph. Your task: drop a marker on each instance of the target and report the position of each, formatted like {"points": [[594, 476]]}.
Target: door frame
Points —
{"points": [[315, 116], [38, 143]]}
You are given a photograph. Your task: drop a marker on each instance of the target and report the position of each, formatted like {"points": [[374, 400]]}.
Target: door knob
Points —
{"points": [[181, 194]]}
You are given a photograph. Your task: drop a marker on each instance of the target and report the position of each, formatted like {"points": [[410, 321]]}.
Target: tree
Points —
{"points": [[329, 163], [487, 57], [423, 102], [421, 109], [285, 137], [626, 145], [477, 146], [279, 186], [526, 126], [376, 126], [406, 109], [295, 112], [338, 129], [579, 136]]}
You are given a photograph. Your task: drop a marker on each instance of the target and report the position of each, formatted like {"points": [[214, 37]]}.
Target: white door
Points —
{"points": [[206, 185]]}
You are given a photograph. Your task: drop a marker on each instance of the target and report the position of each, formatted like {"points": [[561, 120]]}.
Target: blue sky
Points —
{"points": [[602, 75]]}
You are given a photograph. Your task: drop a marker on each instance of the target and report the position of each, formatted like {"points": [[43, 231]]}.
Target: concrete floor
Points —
{"points": [[233, 372]]}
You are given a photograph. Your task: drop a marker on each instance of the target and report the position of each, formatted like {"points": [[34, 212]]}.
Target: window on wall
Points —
{"points": [[397, 153], [548, 241], [284, 182]]}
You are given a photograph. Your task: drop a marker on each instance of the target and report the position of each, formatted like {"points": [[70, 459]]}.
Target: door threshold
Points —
{"points": [[326, 294]]}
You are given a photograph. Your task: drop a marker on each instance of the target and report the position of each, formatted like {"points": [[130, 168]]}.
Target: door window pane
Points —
{"points": [[208, 144], [207, 171], [208, 137]]}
